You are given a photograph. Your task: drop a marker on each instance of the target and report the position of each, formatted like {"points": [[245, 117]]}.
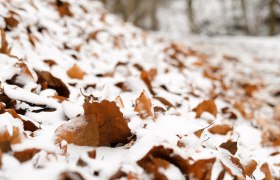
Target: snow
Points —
{"points": [[97, 58]]}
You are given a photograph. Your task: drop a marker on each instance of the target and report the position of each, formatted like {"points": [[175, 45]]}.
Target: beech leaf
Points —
{"points": [[102, 125], [143, 106], [250, 167], [75, 72], [230, 145], [206, 106], [26, 154], [265, 169], [201, 169], [221, 129]]}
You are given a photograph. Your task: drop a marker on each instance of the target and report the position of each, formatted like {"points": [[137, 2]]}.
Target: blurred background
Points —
{"points": [[202, 17]]}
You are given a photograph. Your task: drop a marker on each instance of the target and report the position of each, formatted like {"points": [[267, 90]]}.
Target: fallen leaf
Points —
{"points": [[70, 175], [221, 129], [250, 167], [206, 106], [63, 8], [5, 49], [236, 162], [143, 106], [119, 102], [164, 101], [47, 80], [121, 174], [25, 155], [92, 154], [147, 80], [230, 145], [160, 157], [199, 132], [201, 169], [102, 125], [27, 125], [11, 21], [265, 169], [277, 112], [75, 72]]}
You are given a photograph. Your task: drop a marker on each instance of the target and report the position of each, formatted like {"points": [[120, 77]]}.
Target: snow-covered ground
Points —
{"points": [[87, 96]]}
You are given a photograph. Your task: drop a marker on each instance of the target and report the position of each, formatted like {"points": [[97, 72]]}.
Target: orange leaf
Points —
{"points": [[199, 132], [201, 169], [102, 125], [159, 157], [206, 106], [27, 125], [230, 145], [164, 101], [236, 162], [26, 154], [75, 72], [250, 167], [4, 44], [265, 169], [47, 80], [147, 80], [221, 129], [70, 175], [143, 106], [63, 8]]}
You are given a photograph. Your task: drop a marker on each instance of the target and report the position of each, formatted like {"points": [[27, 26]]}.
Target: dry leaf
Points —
{"points": [[11, 21], [120, 174], [147, 80], [236, 162], [102, 125], [277, 112], [160, 157], [27, 125], [6, 137], [75, 72], [143, 106], [221, 129], [250, 167], [63, 8], [201, 169], [92, 154], [230, 145], [119, 102], [26, 154], [5, 49], [164, 101], [199, 132], [47, 80], [70, 175], [265, 169], [206, 106]]}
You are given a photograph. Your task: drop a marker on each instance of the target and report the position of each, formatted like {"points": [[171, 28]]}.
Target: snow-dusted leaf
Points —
{"points": [[143, 106], [206, 106]]}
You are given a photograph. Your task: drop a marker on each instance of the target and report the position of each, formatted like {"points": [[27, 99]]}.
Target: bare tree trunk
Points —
{"points": [[244, 12], [272, 23], [191, 17]]}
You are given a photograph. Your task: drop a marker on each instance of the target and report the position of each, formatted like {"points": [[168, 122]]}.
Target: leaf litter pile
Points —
{"points": [[84, 95]]}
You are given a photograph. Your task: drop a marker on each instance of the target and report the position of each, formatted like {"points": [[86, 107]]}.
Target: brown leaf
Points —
{"points": [[164, 101], [63, 8], [50, 62], [158, 157], [47, 80], [201, 169], [70, 175], [221, 129], [27, 125], [143, 106], [5, 49], [75, 72], [26, 154], [102, 125], [13, 138], [230, 145], [1, 157], [120, 174], [92, 154], [236, 162], [206, 106], [250, 167], [147, 80], [11, 21], [199, 132], [265, 169], [277, 112]]}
